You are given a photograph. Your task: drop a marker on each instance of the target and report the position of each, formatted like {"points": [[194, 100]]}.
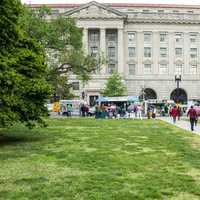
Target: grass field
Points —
{"points": [[87, 159]]}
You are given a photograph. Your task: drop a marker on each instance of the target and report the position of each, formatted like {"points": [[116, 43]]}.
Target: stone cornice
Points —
{"points": [[97, 18], [167, 18], [94, 11], [120, 5], [160, 77]]}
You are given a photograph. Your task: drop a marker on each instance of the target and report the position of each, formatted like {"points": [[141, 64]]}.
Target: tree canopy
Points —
{"points": [[114, 86], [23, 88], [62, 42]]}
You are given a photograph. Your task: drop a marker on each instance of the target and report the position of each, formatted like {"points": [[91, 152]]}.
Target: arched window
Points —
{"points": [[147, 93], [179, 96]]}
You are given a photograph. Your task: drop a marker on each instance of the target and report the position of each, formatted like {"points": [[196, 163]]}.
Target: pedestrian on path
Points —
{"points": [[139, 108], [173, 113], [154, 113], [193, 116], [178, 112], [196, 121]]}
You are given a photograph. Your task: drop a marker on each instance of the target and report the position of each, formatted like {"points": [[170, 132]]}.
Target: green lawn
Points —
{"points": [[87, 159]]}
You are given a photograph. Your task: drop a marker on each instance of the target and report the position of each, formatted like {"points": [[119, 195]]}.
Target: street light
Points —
{"points": [[83, 93], [143, 92], [177, 80]]}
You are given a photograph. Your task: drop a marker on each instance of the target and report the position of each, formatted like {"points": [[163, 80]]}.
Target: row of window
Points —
{"points": [[167, 11], [94, 40], [94, 35], [178, 37], [147, 52], [163, 52], [163, 69], [112, 36], [111, 54]]}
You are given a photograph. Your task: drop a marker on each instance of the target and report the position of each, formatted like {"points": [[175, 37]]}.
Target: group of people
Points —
{"points": [[129, 111], [175, 113], [135, 111], [151, 112], [65, 110], [109, 111], [84, 110], [115, 111]]}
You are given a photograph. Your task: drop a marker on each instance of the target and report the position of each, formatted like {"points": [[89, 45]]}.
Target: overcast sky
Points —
{"points": [[187, 2]]}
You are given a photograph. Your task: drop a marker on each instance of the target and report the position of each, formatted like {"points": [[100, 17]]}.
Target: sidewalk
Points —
{"points": [[182, 124]]}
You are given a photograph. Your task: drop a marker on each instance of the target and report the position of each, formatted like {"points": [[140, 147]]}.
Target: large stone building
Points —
{"points": [[148, 44]]}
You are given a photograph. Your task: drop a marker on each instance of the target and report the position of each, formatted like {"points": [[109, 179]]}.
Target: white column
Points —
{"points": [[103, 48], [155, 51], [198, 56], [85, 40], [186, 54], [171, 54], [140, 53], [121, 64]]}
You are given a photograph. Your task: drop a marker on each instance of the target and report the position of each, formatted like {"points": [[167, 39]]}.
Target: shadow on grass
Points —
{"points": [[19, 134], [14, 139]]}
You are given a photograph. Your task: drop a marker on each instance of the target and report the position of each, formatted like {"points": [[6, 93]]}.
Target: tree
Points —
{"points": [[23, 88], [62, 42], [114, 86]]}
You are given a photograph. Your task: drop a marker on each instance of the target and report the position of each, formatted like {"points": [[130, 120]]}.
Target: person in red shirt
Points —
{"points": [[193, 116], [173, 113]]}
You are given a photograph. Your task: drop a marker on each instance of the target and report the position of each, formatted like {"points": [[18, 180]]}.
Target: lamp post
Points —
{"points": [[143, 92], [83, 93], [177, 80]]}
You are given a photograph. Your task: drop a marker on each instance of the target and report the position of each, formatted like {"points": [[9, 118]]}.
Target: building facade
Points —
{"points": [[148, 44]]}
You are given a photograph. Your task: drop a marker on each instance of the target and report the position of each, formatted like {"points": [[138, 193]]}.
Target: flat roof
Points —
{"points": [[54, 5], [125, 5]]}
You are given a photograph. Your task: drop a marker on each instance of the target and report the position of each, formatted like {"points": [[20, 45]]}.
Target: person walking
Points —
{"points": [[97, 111], [149, 112], [69, 110], [154, 113], [192, 114], [196, 120], [139, 110], [173, 113], [178, 112], [135, 110], [162, 111]]}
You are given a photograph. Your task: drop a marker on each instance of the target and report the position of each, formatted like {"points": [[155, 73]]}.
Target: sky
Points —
{"points": [[186, 2]]}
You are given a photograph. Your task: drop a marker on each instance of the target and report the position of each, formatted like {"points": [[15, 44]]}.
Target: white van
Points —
{"points": [[74, 106]]}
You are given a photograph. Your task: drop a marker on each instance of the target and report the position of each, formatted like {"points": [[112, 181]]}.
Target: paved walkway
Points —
{"points": [[184, 124]]}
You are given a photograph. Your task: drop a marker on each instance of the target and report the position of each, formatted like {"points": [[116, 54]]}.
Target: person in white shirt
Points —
{"points": [[139, 111]]}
